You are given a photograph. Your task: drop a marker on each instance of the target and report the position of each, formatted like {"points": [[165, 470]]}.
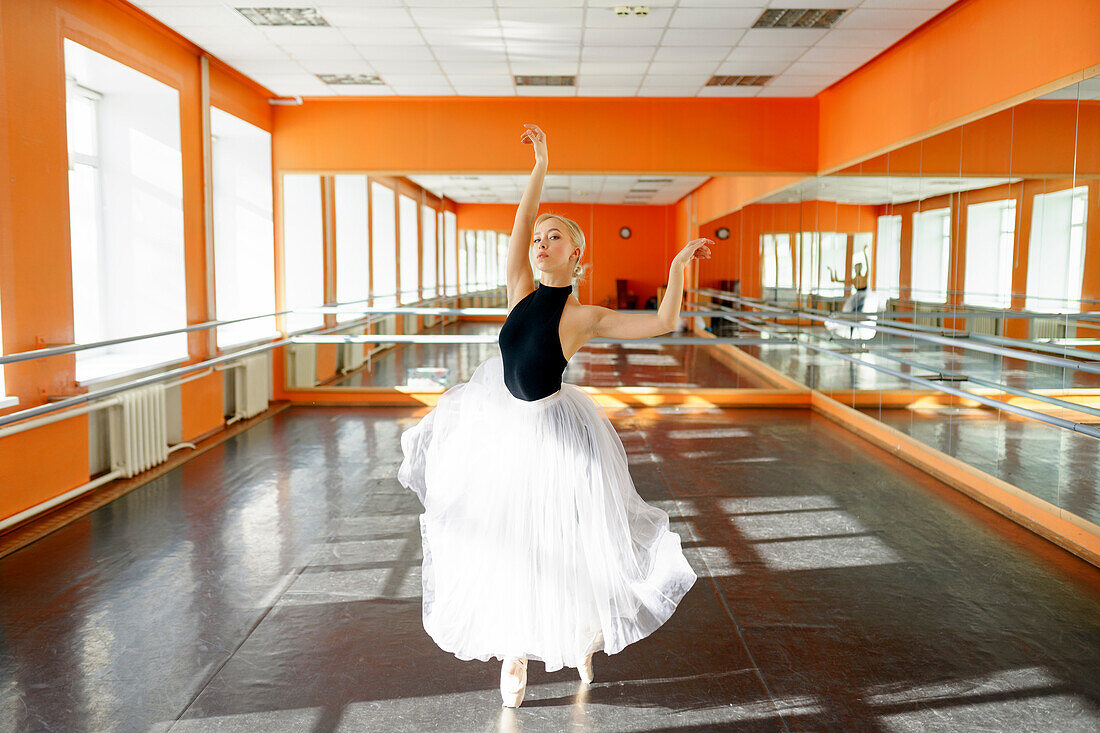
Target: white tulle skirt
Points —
{"points": [[535, 540]]}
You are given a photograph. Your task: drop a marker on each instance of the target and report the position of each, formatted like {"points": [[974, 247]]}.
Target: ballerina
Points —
{"points": [[536, 544], [861, 300]]}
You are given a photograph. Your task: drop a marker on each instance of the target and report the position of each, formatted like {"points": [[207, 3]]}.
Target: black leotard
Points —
{"points": [[530, 346]]}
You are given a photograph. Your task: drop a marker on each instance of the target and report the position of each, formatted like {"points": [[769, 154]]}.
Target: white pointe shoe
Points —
{"points": [[585, 670], [512, 686]]}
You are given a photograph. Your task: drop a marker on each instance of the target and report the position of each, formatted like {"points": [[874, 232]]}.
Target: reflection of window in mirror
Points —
{"points": [[383, 243], [430, 248], [1056, 262], [888, 256], [352, 265], [410, 251], [931, 252], [303, 248], [834, 253], [450, 251], [809, 248], [502, 259], [990, 236], [768, 265]]}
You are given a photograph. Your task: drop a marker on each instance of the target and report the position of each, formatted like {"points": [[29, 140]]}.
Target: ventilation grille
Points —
{"points": [[654, 180], [350, 78], [738, 81], [545, 81], [798, 18], [283, 16]]}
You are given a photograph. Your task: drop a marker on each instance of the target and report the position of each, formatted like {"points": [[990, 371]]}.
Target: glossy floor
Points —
{"points": [[272, 584]]}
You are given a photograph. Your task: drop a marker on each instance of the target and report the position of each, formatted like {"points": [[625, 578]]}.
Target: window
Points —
{"points": [[244, 244], [410, 251], [990, 234], [1056, 254], [931, 252], [888, 256], [450, 251], [352, 247], [502, 260], [126, 214], [383, 246], [303, 249], [809, 246], [768, 274], [430, 248]]}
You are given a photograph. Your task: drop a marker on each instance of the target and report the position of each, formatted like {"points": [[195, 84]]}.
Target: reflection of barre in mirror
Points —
{"points": [[536, 544]]}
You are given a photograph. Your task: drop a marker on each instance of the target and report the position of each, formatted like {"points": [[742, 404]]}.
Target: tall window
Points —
{"points": [[1056, 253], [990, 235], [126, 214], [352, 264], [888, 256], [450, 251], [410, 251], [383, 245], [430, 248], [931, 251], [244, 244], [303, 249]]}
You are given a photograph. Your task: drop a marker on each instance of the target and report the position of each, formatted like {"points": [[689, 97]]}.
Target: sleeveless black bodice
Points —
{"points": [[530, 346]]}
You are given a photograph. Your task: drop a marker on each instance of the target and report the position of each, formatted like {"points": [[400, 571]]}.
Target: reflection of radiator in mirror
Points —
{"points": [[351, 355], [1050, 328], [301, 365], [250, 387], [386, 326], [927, 308], [985, 325], [139, 431]]}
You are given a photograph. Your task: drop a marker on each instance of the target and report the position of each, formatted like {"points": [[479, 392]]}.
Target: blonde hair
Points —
{"points": [[576, 236]]}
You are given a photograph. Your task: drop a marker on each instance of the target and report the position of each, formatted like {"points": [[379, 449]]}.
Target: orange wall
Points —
{"points": [[971, 57], [35, 280], [585, 135], [643, 259]]}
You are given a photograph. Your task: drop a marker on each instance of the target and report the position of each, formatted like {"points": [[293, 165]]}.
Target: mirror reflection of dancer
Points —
{"points": [[854, 303], [860, 301], [536, 544]]}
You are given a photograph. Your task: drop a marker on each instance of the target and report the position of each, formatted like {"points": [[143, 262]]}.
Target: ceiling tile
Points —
{"points": [[837, 54], [701, 37], [415, 80], [617, 53], [363, 90], [610, 80], [648, 91], [396, 53], [691, 53], [672, 80], [383, 36], [475, 68], [806, 80], [875, 39], [546, 91], [463, 36], [481, 80], [765, 53], [599, 91], [714, 17], [303, 35], [801, 68], [286, 66], [636, 37], [781, 37], [683, 67], [317, 51], [405, 67], [907, 4], [539, 16], [424, 91], [535, 32], [613, 67], [364, 17], [529, 51], [470, 53], [455, 17], [544, 68]]}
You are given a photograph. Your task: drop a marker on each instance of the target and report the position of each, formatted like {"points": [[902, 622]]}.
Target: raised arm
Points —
{"points": [[521, 279], [619, 324]]}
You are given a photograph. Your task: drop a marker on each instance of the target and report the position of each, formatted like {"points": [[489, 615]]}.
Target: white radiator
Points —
{"points": [[250, 386], [143, 433], [301, 365], [1050, 328], [985, 325]]}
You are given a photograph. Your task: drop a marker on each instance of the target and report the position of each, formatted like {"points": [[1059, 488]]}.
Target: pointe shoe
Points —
{"points": [[585, 670], [512, 687]]}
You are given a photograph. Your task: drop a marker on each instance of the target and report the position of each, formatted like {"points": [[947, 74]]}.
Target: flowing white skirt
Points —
{"points": [[535, 540]]}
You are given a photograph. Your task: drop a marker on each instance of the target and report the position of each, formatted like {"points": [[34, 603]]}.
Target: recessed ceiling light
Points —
{"points": [[350, 79], [738, 81], [799, 18], [545, 81], [283, 16]]}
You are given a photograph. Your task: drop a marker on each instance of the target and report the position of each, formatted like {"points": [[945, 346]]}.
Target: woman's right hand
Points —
{"points": [[533, 135]]}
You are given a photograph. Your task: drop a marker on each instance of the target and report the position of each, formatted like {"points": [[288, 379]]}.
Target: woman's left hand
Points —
{"points": [[696, 249]]}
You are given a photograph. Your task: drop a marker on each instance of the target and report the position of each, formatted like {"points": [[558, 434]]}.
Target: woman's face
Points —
{"points": [[552, 247]]}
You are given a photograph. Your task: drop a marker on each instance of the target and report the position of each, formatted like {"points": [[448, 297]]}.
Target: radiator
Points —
{"points": [[985, 325], [142, 431], [301, 365], [1050, 328], [250, 386], [927, 320]]}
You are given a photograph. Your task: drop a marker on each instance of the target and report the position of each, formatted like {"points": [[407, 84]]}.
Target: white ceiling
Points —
{"points": [[474, 47], [871, 190], [563, 189]]}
